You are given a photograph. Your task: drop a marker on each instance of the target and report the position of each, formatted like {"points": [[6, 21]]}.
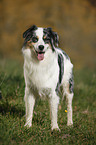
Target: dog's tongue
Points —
{"points": [[40, 56]]}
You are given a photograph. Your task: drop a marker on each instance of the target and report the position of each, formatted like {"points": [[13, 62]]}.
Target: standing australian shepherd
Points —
{"points": [[46, 69]]}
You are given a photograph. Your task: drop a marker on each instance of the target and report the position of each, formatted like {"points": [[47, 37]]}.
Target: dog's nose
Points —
{"points": [[41, 47]]}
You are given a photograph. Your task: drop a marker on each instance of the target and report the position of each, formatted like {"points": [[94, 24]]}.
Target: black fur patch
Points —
{"points": [[28, 34], [67, 57], [52, 37], [61, 72], [71, 83]]}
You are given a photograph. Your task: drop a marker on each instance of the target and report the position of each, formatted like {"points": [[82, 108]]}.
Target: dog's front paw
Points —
{"points": [[55, 128], [70, 124], [55, 131], [28, 125]]}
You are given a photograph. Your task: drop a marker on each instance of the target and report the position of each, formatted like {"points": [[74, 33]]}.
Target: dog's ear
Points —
{"points": [[27, 35], [29, 31], [54, 38]]}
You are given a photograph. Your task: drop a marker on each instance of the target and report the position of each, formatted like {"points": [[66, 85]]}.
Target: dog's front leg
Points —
{"points": [[29, 103], [54, 101]]}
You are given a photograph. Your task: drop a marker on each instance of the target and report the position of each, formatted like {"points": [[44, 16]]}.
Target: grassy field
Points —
{"points": [[12, 111]]}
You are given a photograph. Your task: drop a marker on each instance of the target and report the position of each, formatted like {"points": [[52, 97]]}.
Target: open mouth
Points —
{"points": [[40, 55]]}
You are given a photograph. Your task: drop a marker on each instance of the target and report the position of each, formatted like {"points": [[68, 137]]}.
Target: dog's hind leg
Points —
{"points": [[54, 101], [69, 96], [29, 103]]}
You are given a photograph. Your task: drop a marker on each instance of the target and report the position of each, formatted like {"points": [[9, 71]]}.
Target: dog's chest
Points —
{"points": [[42, 76]]}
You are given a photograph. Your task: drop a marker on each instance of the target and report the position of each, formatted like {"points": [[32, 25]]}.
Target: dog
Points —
{"points": [[47, 68]]}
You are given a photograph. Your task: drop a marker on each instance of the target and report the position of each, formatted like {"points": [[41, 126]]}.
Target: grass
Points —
{"points": [[12, 111]]}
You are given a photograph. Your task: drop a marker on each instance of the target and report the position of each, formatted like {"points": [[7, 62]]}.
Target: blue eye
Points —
{"points": [[34, 39]]}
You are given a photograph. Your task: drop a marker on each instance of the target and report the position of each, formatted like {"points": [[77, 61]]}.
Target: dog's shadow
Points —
{"points": [[13, 110]]}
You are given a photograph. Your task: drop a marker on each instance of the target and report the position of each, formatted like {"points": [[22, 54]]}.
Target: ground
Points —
{"points": [[12, 110]]}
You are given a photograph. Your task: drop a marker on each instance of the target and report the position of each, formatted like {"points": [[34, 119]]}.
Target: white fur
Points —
{"points": [[41, 78]]}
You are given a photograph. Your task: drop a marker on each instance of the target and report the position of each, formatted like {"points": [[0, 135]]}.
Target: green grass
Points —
{"points": [[12, 111]]}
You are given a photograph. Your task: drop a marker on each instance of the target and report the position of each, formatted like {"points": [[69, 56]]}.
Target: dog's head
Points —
{"points": [[40, 40]]}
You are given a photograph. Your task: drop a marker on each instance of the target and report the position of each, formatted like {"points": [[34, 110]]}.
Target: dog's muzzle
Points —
{"points": [[40, 52], [40, 55]]}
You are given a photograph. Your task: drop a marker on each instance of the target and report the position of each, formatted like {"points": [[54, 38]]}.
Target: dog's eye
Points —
{"points": [[34, 39], [46, 39]]}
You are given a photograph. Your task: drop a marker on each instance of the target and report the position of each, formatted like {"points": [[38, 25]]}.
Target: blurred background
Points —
{"points": [[73, 20]]}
